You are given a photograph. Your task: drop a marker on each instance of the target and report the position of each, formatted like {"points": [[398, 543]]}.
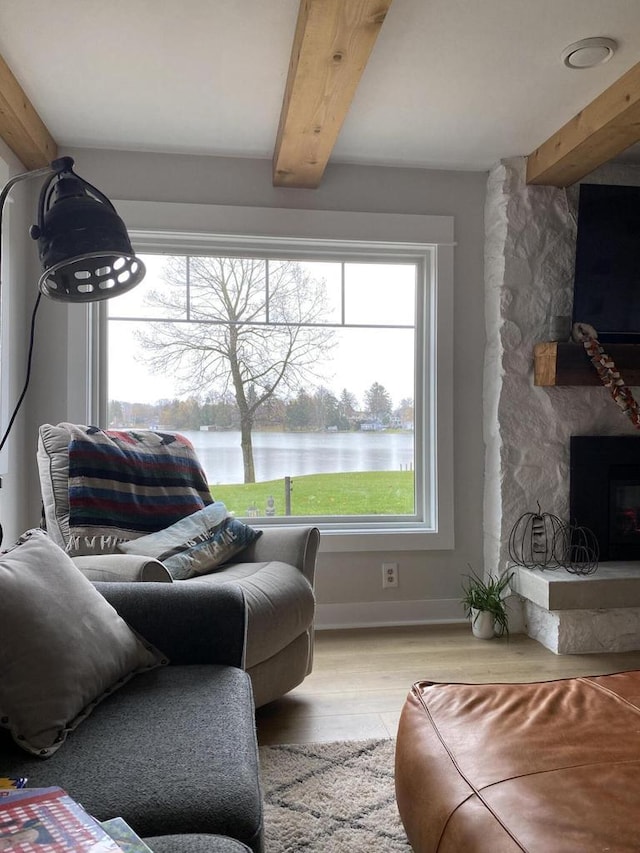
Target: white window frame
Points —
{"points": [[192, 229]]}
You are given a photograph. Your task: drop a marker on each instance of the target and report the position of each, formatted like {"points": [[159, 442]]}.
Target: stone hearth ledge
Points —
{"points": [[582, 614]]}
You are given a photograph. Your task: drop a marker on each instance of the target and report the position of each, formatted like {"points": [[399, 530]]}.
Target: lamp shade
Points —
{"points": [[83, 244]]}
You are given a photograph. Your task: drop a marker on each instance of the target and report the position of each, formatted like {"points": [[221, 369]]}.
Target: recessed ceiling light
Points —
{"points": [[588, 52]]}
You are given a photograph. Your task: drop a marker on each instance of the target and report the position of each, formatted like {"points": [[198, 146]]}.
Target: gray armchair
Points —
{"points": [[276, 574]]}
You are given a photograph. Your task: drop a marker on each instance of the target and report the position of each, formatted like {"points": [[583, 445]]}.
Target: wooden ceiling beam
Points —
{"points": [[20, 125], [332, 43], [599, 132]]}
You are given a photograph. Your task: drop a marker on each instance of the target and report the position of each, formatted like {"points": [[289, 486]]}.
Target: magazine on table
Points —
{"points": [[128, 840], [48, 820]]}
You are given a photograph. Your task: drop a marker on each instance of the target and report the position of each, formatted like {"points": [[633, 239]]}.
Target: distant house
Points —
{"points": [[371, 426]]}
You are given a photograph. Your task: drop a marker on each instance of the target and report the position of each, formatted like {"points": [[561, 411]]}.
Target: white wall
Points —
{"points": [[348, 585], [19, 291]]}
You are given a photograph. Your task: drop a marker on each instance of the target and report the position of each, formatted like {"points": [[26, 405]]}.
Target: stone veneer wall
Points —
{"points": [[529, 255]]}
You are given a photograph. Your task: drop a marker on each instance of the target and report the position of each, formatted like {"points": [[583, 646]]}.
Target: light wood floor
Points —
{"points": [[361, 677]]}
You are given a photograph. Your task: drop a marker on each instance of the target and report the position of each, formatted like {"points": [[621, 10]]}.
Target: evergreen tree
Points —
{"points": [[378, 403]]}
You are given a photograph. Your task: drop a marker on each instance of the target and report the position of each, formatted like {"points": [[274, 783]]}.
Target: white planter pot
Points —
{"points": [[482, 624]]}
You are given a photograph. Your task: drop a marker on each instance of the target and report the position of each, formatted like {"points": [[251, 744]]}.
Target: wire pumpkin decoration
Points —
{"points": [[541, 540], [532, 542], [580, 549]]}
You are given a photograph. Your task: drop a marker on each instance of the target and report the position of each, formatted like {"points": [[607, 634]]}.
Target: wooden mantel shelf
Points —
{"points": [[568, 364]]}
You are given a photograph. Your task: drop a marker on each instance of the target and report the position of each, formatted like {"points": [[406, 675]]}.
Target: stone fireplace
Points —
{"points": [[530, 234]]}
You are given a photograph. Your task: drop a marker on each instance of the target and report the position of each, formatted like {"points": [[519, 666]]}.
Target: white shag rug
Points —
{"points": [[331, 798]]}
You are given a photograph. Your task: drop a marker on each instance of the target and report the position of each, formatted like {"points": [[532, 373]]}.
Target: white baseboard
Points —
{"points": [[376, 614]]}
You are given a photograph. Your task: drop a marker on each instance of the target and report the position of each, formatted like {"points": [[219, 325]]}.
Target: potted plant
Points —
{"points": [[484, 604]]}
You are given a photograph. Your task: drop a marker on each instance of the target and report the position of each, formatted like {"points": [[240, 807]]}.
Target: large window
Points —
{"points": [[304, 372]]}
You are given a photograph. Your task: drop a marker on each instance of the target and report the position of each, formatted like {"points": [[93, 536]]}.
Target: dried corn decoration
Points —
{"points": [[607, 371]]}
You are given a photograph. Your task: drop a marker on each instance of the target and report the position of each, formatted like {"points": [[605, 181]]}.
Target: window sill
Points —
{"points": [[332, 541]]}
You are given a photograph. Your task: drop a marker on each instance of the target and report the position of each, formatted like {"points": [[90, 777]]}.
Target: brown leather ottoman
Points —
{"points": [[546, 767]]}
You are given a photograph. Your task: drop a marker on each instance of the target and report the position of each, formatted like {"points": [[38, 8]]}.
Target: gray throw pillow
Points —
{"points": [[63, 647], [197, 544]]}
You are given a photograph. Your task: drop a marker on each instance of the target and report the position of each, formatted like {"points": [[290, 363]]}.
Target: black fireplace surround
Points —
{"points": [[604, 492]]}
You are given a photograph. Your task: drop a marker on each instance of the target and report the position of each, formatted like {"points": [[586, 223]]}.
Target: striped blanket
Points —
{"points": [[124, 484]]}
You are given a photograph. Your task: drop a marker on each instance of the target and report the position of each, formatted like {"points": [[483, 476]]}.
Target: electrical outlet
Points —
{"points": [[389, 575]]}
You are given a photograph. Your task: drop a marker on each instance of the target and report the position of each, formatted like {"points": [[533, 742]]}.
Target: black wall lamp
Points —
{"points": [[83, 244]]}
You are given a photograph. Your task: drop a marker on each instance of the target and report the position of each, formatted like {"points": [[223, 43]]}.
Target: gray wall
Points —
{"points": [[343, 579]]}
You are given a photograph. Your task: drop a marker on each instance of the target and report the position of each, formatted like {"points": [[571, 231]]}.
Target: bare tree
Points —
{"points": [[248, 325]]}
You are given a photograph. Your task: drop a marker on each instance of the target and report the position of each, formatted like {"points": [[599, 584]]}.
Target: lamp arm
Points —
{"points": [[4, 193], [35, 173], [61, 164]]}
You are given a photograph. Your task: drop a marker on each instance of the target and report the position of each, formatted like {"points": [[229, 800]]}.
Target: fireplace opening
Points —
{"points": [[604, 492], [624, 501]]}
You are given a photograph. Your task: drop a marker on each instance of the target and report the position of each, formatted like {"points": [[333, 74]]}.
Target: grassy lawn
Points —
{"points": [[360, 493]]}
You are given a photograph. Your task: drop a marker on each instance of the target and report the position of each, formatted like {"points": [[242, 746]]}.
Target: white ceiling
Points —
{"points": [[451, 83]]}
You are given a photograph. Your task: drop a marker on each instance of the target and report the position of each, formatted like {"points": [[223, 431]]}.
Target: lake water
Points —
{"points": [[292, 454]]}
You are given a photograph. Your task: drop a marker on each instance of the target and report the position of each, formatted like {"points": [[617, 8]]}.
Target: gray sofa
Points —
{"points": [[173, 751], [276, 574]]}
